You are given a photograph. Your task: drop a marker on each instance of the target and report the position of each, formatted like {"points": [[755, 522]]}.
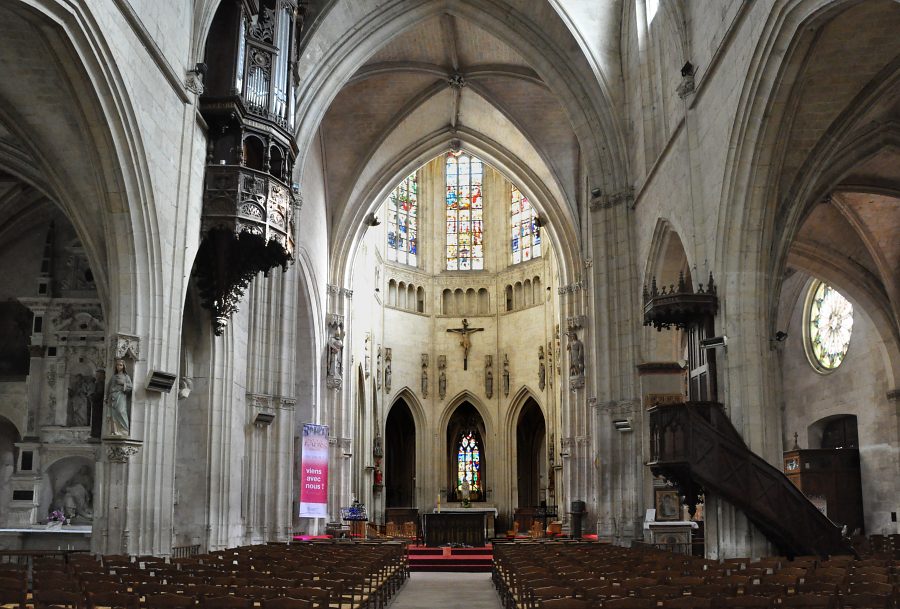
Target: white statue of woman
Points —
{"points": [[117, 393]]}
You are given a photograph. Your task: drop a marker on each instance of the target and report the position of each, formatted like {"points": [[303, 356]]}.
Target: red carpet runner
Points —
{"points": [[468, 560]]}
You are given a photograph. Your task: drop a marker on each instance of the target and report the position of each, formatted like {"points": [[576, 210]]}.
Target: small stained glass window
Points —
{"points": [[829, 324], [526, 234], [402, 222], [469, 463], [465, 213]]}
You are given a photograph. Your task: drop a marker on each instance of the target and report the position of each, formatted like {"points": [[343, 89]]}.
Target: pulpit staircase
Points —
{"points": [[695, 446]]}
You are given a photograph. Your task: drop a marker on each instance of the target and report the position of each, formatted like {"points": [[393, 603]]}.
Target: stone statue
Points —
{"points": [[424, 375], [117, 393], [378, 448], [576, 360], [185, 387], [335, 353], [81, 389], [378, 357], [465, 491], [335, 376], [442, 377], [75, 497], [489, 376], [542, 370], [367, 358], [506, 375], [388, 373]]}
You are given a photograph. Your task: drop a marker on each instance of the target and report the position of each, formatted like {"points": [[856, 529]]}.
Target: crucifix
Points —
{"points": [[464, 340]]}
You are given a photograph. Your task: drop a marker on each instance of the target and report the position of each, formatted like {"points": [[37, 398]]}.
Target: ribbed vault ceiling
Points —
{"points": [[463, 74]]}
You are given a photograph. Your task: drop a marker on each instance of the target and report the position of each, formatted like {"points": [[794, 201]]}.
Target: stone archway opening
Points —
{"points": [[400, 457], [531, 439]]}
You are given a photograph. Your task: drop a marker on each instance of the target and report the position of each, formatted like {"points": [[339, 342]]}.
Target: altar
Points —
{"points": [[471, 526]]}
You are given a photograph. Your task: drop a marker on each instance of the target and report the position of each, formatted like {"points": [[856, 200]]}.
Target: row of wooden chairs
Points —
{"points": [[340, 576], [528, 576]]}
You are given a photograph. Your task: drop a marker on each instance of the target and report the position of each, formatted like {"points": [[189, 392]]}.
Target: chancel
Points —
{"points": [[664, 236]]}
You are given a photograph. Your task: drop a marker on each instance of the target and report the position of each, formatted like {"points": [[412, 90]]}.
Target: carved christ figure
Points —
{"points": [[464, 341]]}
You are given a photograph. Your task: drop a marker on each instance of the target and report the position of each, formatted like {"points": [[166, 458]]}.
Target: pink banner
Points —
{"points": [[314, 472]]}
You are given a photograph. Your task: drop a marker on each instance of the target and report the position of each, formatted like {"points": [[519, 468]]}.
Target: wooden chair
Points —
{"points": [[809, 601], [630, 602], [746, 602], [59, 598], [866, 601], [226, 602], [689, 602], [659, 591], [286, 602], [167, 600], [113, 600], [257, 593], [102, 587], [11, 597], [566, 603]]}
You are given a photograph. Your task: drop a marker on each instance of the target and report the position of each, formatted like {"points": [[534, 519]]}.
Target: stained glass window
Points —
{"points": [[829, 326], [465, 211], [526, 234], [402, 222], [469, 463]]}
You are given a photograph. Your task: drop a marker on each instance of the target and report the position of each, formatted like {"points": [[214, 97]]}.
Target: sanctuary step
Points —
{"points": [[465, 560], [695, 446]]}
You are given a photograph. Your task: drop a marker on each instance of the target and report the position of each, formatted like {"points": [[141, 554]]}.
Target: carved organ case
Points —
{"points": [[248, 102]]}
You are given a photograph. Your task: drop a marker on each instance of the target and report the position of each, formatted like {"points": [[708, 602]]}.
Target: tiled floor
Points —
{"points": [[447, 591]]}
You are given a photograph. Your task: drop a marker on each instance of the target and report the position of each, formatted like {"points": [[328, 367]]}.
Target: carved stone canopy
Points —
{"points": [[679, 305]]}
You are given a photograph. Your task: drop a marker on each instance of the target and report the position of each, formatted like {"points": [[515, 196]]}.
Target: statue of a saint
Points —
{"points": [[442, 385], [117, 393], [542, 370], [335, 353], [465, 491], [506, 375], [576, 356]]}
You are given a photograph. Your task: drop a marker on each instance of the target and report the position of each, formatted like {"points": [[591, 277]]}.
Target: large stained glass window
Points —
{"points": [[465, 212], [402, 222], [468, 463], [829, 324], [526, 234]]}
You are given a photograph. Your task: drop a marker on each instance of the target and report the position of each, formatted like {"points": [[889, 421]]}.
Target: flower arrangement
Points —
{"points": [[56, 516]]}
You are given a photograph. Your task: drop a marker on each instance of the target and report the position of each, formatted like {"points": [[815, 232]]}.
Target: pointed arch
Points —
{"points": [[457, 400], [415, 406], [517, 403], [561, 225]]}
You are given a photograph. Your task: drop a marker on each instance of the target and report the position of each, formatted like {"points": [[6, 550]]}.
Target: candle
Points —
{"points": [[439, 503]]}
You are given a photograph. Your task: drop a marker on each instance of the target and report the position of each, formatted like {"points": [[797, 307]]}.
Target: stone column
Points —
{"points": [[115, 519], [616, 323]]}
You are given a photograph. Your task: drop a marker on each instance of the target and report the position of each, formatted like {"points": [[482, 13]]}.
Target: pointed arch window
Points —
{"points": [[526, 234], [465, 213], [402, 217], [468, 462]]}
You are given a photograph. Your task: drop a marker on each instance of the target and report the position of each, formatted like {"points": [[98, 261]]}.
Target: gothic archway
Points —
{"points": [[400, 456], [466, 453], [531, 434]]}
